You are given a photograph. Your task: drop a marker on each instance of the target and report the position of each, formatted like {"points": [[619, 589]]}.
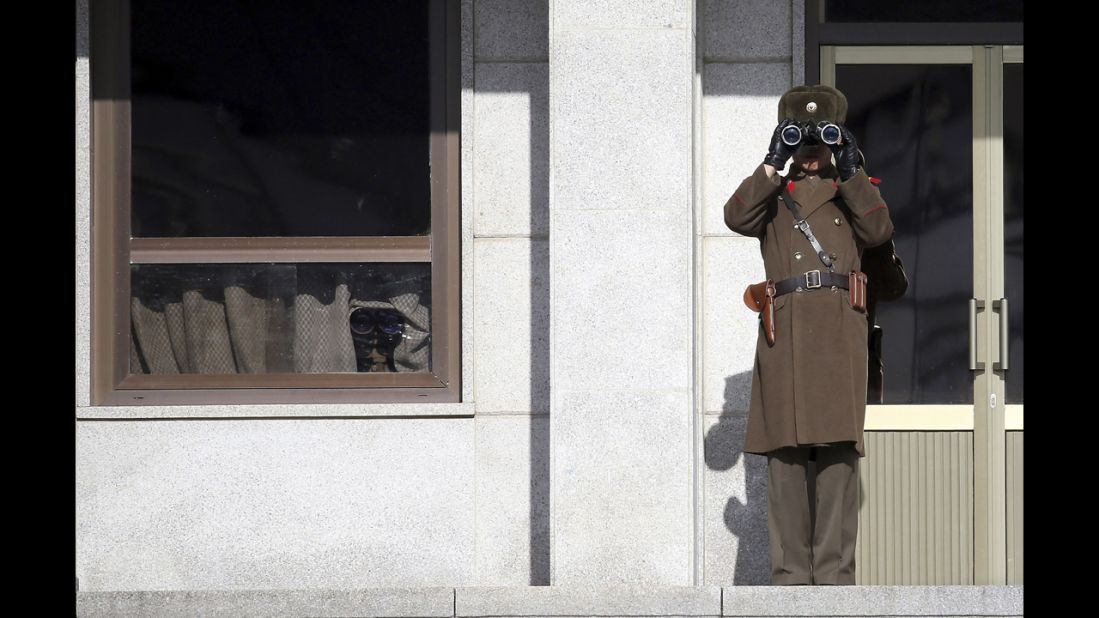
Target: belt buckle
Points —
{"points": [[810, 277]]}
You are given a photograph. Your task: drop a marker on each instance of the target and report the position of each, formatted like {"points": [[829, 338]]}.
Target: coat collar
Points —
{"points": [[812, 195]]}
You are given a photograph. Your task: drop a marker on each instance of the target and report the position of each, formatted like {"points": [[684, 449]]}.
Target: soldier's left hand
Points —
{"points": [[847, 153]]}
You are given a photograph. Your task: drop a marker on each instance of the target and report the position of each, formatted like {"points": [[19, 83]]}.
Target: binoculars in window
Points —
{"points": [[375, 333]]}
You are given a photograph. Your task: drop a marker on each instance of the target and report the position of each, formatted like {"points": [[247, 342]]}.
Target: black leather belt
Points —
{"points": [[810, 281]]}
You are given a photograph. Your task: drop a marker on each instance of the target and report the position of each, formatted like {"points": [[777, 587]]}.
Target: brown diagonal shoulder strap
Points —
{"points": [[803, 225]]}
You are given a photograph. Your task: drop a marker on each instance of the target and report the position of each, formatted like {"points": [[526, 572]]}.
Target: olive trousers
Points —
{"points": [[813, 544]]}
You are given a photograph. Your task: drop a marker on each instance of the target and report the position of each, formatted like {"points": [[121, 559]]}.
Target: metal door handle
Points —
{"points": [[974, 306], [1000, 306]]}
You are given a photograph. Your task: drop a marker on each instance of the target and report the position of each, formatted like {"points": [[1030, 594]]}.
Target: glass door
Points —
{"points": [[941, 126]]}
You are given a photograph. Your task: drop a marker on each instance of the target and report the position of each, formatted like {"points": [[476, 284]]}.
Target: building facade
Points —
{"points": [[541, 223]]}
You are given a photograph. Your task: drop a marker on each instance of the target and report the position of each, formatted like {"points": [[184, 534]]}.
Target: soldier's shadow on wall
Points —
{"points": [[744, 513]]}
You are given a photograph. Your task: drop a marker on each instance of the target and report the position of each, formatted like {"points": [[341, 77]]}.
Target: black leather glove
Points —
{"points": [[847, 154], [779, 153]]}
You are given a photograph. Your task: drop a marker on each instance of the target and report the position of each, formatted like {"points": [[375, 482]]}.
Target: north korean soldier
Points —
{"points": [[809, 381]]}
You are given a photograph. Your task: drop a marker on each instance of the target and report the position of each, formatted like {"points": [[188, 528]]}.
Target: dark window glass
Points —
{"points": [[280, 318], [280, 118], [914, 123], [923, 10], [1013, 225]]}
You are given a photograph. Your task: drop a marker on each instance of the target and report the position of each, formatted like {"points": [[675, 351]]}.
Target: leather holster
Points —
{"points": [[760, 297]]}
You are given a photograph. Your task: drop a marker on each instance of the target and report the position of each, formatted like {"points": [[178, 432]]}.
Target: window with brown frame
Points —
{"points": [[275, 201]]}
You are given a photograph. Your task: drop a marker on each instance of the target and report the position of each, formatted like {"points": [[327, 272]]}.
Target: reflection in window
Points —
{"points": [[914, 123], [280, 318], [1013, 225]]}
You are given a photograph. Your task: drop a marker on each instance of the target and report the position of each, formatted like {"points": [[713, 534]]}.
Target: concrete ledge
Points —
{"points": [[404, 602], [532, 601], [872, 601], [623, 600]]}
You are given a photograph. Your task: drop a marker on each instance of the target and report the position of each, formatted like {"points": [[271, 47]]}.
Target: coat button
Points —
{"points": [[837, 221], [797, 255], [832, 255]]}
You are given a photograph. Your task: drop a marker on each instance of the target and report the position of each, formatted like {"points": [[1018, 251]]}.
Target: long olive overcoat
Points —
{"points": [[810, 387]]}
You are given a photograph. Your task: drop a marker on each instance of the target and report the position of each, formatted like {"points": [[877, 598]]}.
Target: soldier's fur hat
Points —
{"points": [[815, 103]]}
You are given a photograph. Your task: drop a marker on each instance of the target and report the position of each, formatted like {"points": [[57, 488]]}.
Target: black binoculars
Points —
{"points": [[376, 333], [823, 132]]}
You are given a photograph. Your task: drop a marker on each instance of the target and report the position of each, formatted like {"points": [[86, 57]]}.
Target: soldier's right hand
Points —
{"points": [[779, 153]]}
